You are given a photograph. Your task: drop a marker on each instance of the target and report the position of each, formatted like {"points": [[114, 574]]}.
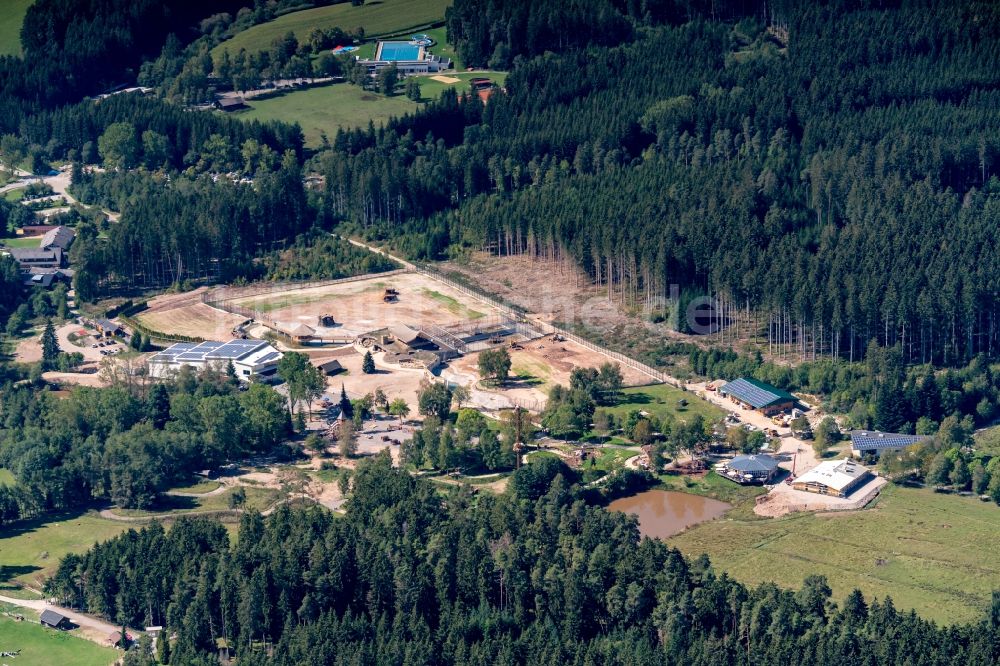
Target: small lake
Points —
{"points": [[664, 513]]}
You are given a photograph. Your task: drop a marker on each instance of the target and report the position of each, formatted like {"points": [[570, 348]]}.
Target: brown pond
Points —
{"points": [[663, 513]]}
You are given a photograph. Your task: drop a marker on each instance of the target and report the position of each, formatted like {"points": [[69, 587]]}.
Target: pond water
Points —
{"points": [[663, 513]]}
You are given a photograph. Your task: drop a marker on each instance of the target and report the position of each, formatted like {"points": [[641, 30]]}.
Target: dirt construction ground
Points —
{"points": [[185, 314], [358, 306]]}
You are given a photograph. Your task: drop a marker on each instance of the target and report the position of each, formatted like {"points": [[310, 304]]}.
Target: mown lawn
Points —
{"points": [[11, 19], [430, 89], [40, 646], [933, 553], [22, 241], [377, 18], [662, 401], [327, 109], [30, 551]]}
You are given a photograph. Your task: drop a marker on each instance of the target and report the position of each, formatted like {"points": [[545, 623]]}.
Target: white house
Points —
{"points": [[252, 359]]}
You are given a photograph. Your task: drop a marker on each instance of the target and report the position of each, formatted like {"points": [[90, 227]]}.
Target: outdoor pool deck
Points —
{"points": [[397, 51]]}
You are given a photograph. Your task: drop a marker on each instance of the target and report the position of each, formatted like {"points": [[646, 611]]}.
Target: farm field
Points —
{"points": [[377, 18], [31, 550], [661, 401], [929, 552], [40, 646], [326, 109], [11, 19]]}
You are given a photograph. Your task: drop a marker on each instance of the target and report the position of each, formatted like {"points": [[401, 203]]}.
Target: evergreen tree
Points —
{"points": [[368, 364], [50, 345]]}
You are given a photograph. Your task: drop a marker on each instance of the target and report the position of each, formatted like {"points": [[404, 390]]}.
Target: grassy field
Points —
{"points": [[10, 25], [377, 18], [933, 553], [327, 109], [988, 440], [452, 305], [430, 89], [30, 551], [198, 487], [661, 401], [6, 477], [43, 647], [22, 241], [257, 498], [14, 196]]}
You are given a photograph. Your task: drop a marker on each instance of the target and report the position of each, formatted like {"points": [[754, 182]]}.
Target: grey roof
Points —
{"points": [[404, 334], [107, 325], [26, 253], [756, 393], [51, 617], [755, 463], [61, 237], [873, 440]]}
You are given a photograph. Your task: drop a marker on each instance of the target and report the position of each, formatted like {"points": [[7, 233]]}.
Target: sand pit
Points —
{"points": [[446, 79], [185, 314], [358, 307]]}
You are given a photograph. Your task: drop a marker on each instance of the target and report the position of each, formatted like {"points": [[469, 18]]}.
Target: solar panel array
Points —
{"points": [[749, 393], [862, 440], [186, 352]]}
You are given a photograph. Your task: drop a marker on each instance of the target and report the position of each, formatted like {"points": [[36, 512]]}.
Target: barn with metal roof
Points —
{"points": [[754, 394], [875, 442]]}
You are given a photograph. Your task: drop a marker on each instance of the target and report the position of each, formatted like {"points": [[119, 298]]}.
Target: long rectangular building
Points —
{"points": [[757, 395], [252, 359]]}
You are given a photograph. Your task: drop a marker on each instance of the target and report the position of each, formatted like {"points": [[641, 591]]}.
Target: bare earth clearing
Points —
{"points": [[185, 314], [358, 307]]}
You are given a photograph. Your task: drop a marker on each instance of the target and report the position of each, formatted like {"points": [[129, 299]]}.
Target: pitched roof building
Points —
{"points": [[758, 395], [751, 469], [60, 237], [51, 618], [833, 477], [875, 442]]}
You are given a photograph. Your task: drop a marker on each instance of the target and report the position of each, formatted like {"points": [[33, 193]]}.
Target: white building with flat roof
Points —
{"points": [[252, 359]]}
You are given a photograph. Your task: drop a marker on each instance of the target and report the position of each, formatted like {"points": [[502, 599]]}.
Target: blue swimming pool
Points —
{"points": [[398, 51]]}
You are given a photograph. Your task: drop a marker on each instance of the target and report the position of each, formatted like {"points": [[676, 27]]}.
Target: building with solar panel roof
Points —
{"points": [[252, 359], [873, 442], [759, 396]]}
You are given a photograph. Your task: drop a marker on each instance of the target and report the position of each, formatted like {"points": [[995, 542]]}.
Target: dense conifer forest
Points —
{"points": [[831, 178], [533, 576]]}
